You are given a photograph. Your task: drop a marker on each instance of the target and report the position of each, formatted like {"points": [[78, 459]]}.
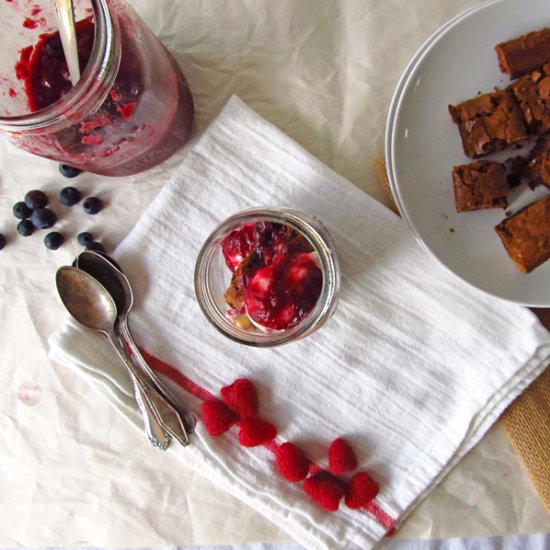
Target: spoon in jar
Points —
{"points": [[111, 276], [67, 33], [93, 307]]}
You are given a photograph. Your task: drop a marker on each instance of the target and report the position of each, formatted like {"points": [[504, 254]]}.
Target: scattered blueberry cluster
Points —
{"points": [[34, 213]]}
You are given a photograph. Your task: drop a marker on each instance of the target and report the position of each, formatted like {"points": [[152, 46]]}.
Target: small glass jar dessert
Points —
{"points": [[267, 277], [131, 108]]}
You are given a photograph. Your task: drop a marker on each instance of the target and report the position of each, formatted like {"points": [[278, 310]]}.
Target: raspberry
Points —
{"points": [[255, 431], [362, 489], [241, 397], [217, 416], [325, 489], [341, 457], [291, 462]]}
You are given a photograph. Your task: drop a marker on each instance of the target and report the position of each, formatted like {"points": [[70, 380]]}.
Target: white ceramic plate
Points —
{"points": [[403, 80], [423, 144]]}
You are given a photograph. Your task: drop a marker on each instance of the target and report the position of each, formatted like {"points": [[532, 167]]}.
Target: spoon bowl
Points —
{"points": [[85, 299]]}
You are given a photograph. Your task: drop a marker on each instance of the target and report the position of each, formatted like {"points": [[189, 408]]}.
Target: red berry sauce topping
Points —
{"points": [[276, 278], [43, 67]]}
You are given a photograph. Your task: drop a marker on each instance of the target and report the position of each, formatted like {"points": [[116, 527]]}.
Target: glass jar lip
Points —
{"points": [[322, 243], [95, 76]]}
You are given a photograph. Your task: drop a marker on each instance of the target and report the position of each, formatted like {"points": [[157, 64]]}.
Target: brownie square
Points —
{"points": [[520, 56], [488, 123], [526, 235], [532, 94], [538, 165], [480, 184]]}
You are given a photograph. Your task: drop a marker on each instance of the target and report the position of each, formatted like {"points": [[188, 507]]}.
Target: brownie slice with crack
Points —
{"points": [[480, 184], [532, 93], [488, 123], [526, 235]]}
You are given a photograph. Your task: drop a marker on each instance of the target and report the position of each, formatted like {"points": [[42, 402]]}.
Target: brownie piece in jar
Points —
{"points": [[480, 184], [526, 235], [532, 94], [234, 295], [488, 123], [538, 165], [520, 56]]}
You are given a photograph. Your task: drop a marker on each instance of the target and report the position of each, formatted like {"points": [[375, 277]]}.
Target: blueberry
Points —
{"points": [[43, 218], [36, 199], [53, 240], [2, 241], [53, 47], [92, 205], [84, 238], [69, 196], [25, 228], [98, 247], [21, 210], [69, 171]]}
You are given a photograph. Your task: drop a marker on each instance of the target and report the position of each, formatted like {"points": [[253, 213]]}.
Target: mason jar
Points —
{"points": [[131, 108], [215, 271]]}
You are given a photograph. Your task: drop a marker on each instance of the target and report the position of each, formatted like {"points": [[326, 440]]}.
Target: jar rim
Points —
{"points": [[321, 242], [97, 77]]}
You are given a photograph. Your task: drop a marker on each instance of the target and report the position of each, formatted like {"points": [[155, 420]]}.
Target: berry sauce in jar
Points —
{"points": [[276, 278], [267, 276], [131, 109]]}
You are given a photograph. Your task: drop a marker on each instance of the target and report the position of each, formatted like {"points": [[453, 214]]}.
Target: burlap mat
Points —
{"points": [[527, 419]]}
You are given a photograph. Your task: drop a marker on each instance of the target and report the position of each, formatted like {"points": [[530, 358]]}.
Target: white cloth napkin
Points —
{"points": [[411, 370]]}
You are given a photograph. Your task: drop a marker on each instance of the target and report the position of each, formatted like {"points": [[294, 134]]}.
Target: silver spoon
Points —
{"points": [[156, 434], [111, 276], [155, 431], [92, 306], [67, 33]]}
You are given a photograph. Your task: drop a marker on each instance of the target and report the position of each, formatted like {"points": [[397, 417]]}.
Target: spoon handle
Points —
{"points": [[165, 413], [67, 33], [156, 434], [186, 415]]}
